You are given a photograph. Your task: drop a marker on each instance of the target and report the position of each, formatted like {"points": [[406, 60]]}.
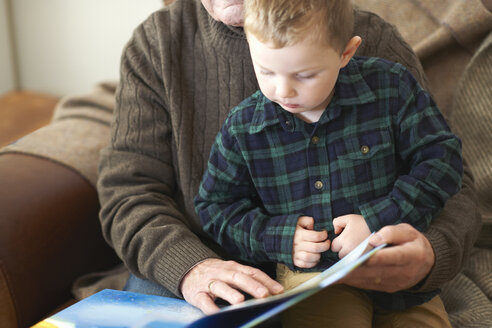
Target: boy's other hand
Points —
{"points": [[308, 243], [352, 230]]}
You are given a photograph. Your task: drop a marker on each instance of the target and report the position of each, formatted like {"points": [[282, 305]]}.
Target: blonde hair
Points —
{"points": [[286, 22]]}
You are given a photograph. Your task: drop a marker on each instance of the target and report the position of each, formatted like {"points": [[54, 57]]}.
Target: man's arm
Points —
{"points": [[433, 155], [136, 185], [139, 216], [435, 257], [453, 233]]}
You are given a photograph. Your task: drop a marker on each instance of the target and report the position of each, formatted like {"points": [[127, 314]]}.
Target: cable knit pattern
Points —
{"points": [[468, 296], [472, 115]]}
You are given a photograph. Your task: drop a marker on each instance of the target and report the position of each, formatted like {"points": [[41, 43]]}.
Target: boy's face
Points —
{"points": [[300, 78]]}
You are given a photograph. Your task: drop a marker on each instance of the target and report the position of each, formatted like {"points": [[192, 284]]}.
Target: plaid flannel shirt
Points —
{"points": [[381, 149]]}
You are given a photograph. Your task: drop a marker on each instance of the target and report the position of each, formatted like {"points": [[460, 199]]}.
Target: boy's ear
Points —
{"points": [[350, 50]]}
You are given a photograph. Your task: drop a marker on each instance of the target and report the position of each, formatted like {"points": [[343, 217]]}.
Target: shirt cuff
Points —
{"points": [[279, 238], [379, 213]]}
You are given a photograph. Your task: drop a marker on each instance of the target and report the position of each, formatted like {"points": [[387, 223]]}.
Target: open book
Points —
{"points": [[111, 308]]}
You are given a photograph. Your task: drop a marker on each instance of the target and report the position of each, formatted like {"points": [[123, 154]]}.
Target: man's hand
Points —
{"points": [[400, 266], [214, 278], [308, 244], [352, 230]]}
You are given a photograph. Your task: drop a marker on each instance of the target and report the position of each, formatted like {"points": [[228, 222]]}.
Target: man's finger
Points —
{"points": [[246, 283], [394, 234], [394, 255], [386, 279], [226, 292], [364, 277], [273, 286], [204, 302]]}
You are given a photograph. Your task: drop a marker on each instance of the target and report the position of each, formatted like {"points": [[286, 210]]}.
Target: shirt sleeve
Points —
{"points": [[432, 153], [231, 212]]}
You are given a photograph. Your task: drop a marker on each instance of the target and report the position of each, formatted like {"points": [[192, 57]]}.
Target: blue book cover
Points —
{"points": [[115, 309]]}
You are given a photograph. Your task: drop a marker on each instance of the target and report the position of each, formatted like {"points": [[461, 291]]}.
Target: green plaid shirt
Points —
{"points": [[381, 149]]}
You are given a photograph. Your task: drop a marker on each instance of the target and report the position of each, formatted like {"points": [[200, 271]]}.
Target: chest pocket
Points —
{"points": [[365, 146], [365, 165]]}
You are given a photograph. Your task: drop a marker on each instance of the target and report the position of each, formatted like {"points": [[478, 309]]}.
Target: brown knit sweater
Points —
{"points": [[180, 75]]}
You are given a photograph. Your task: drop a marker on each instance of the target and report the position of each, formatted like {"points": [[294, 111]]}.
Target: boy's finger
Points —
{"points": [[336, 245], [313, 236], [307, 256], [314, 247], [306, 259], [306, 222], [339, 224], [304, 264]]}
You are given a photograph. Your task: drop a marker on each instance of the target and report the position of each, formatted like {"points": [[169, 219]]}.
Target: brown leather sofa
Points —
{"points": [[49, 235]]}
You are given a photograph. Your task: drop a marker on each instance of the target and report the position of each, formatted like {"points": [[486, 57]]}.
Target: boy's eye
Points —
{"points": [[305, 76], [266, 73]]}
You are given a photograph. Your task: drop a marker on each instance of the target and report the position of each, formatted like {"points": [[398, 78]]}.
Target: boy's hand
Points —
{"points": [[308, 244], [353, 230]]}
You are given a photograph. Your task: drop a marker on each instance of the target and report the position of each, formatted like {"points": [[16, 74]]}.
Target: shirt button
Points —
{"points": [[364, 149], [315, 140], [318, 185]]}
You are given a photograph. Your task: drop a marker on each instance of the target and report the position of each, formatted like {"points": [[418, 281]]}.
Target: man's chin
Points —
{"points": [[233, 15]]}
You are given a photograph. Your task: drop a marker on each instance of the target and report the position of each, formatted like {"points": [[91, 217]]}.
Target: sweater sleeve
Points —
{"points": [[139, 217]]}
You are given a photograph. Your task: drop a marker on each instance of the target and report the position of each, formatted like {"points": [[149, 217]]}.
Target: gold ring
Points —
{"points": [[210, 286], [378, 281]]}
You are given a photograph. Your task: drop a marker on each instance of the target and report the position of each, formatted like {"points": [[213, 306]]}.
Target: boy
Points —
{"points": [[331, 148]]}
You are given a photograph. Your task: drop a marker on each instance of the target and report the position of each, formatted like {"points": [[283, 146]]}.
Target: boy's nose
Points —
{"points": [[285, 90]]}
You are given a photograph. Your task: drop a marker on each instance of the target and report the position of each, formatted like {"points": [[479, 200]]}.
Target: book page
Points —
{"points": [[257, 310]]}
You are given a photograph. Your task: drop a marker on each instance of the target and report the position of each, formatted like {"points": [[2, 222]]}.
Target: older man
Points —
{"points": [[181, 72]]}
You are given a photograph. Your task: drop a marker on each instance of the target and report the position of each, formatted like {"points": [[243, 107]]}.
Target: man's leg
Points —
{"points": [[334, 306], [431, 314]]}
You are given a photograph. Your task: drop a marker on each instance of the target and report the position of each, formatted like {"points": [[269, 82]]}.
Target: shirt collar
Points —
{"points": [[350, 89], [265, 114]]}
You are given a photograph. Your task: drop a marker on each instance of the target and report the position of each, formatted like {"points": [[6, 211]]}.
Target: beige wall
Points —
{"points": [[7, 80], [65, 46]]}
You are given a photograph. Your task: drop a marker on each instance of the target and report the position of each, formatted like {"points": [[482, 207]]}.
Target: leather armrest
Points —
{"points": [[49, 235]]}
